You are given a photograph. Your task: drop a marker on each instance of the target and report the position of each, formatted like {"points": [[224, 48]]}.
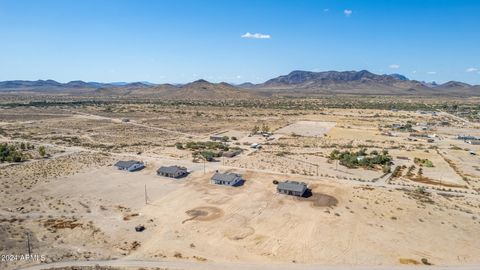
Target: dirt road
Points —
{"points": [[185, 265]]}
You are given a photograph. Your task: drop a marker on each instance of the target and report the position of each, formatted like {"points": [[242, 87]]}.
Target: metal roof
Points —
{"points": [[292, 186], [228, 177], [171, 169], [127, 164]]}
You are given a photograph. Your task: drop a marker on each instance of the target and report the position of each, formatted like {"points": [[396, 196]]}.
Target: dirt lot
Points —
{"points": [[307, 128]]}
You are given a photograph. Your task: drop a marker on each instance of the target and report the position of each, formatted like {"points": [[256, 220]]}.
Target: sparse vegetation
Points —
{"points": [[12, 153], [423, 162], [361, 158], [204, 145], [42, 151]]}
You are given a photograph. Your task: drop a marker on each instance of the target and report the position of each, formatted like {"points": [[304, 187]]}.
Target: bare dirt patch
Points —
{"points": [[426, 180], [239, 233], [307, 128], [321, 200], [204, 213], [54, 224], [408, 261]]}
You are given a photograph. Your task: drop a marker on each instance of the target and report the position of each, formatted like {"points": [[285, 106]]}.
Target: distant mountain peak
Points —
{"points": [[310, 78], [455, 84], [297, 83], [399, 77], [200, 81]]}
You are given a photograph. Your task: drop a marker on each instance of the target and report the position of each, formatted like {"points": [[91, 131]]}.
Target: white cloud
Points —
{"points": [[256, 35], [326, 10], [394, 66], [239, 77], [472, 69], [432, 72], [414, 72], [348, 12]]}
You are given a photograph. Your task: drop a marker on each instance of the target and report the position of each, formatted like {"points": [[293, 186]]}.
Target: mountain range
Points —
{"points": [[296, 83]]}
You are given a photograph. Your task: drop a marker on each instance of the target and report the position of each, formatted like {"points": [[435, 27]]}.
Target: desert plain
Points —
{"points": [[70, 203]]}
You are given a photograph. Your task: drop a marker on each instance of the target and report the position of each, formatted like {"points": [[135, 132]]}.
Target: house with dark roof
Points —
{"points": [[172, 171], [130, 165], [293, 188], [228, 179]]}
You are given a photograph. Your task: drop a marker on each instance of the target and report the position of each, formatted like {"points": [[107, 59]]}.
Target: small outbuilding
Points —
{"points": [[228, 179], [293, 188], [231, 153], [130, 165], [172, 171], [217, 138]]}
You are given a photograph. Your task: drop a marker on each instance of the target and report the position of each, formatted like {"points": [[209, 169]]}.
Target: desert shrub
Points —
{"points": [[179, 145], [10, 153], [41, 151], [423, 162]]}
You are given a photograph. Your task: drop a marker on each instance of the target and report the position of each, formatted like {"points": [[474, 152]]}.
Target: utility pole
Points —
{"points": [[204, 166], [29, 248], [146, 198]]}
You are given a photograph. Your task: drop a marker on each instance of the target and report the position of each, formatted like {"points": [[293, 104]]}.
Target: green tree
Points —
{"points": [[265, 128], [42, 151], [207, 155], [179, 145]]}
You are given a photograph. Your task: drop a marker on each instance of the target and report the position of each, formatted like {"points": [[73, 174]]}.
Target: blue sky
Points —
{"points": [[181, 41]]}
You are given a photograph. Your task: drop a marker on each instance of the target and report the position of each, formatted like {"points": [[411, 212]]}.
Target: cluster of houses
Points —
{"points": [[474, 140], [293, 188], [467, 137], [433, 113]]}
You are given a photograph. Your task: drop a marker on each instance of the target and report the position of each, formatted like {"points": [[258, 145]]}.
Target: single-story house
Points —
{"points": [[172, 171], [130, 165], [292, 188], [228, 179]]}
